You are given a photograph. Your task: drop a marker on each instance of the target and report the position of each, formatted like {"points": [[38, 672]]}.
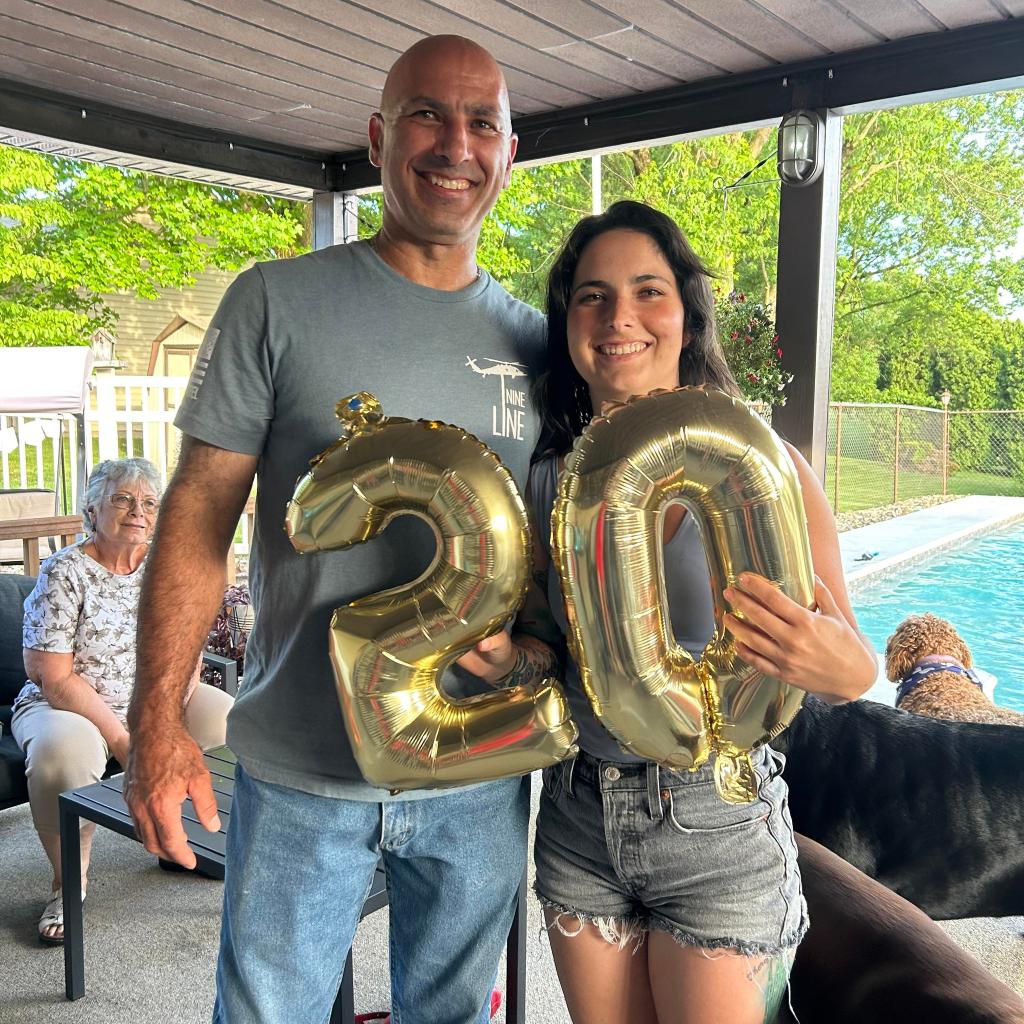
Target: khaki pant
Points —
{"points": [[64, 750]]}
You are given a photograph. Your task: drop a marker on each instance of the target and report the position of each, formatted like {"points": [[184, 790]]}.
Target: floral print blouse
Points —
{"points": [[79, 607]]}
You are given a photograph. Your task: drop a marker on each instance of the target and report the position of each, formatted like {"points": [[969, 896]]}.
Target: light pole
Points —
{"points": [[944, 398]]}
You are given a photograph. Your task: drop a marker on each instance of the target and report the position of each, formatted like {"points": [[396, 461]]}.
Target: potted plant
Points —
{"points": [[752, 349]]}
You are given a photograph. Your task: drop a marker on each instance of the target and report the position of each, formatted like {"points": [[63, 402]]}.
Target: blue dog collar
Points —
{"points": [[920, 673]]}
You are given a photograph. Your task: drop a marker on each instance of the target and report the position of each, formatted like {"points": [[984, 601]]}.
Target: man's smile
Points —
{"points": [[448, 184]]}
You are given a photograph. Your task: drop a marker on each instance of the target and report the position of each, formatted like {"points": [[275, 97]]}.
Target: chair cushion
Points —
{"points": [[13, 591], [13, 789]]}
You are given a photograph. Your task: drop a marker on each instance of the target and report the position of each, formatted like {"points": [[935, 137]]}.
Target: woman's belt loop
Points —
{"points": [[655, 809]]}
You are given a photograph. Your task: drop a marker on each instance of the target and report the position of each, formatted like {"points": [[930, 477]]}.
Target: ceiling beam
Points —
{"points": [[946, 63], [932, 65], [91, 125]]}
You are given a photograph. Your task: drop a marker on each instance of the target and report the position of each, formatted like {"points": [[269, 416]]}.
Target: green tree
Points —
{"points": [[931, 203], [73, 232]]}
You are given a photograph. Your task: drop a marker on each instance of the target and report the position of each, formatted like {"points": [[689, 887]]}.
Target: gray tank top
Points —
{"points": [[691, 610]]}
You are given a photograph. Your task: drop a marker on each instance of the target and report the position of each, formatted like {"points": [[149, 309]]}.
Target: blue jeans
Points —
{"points": [[299, 868]]}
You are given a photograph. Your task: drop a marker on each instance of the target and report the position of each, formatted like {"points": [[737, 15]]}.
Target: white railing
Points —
{"points": [[30, 453], [134, 416], [127, 416]]}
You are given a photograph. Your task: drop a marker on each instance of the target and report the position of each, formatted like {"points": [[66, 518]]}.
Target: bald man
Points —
{"points": [[409, 316]]}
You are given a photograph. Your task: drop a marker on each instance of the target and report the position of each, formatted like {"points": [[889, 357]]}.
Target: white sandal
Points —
{"points": [[53, 917]]}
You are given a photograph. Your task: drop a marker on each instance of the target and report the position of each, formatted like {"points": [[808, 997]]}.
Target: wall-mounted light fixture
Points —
{"points": [[801, 145]]}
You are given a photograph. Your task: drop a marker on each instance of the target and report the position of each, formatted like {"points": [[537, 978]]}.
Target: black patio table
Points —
{"points": [[103, 803]]}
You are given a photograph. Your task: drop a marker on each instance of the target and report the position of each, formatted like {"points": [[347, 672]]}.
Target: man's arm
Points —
{"points": [[183, 587]]}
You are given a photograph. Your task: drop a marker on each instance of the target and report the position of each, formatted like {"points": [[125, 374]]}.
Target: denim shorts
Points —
{"points": [[635, 847]]}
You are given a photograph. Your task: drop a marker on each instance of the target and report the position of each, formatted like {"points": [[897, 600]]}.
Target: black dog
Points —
{"points": [[932, 809]]}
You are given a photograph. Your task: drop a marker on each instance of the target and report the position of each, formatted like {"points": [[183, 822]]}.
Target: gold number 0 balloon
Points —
{"points": [[388, 650], [737, 480]]}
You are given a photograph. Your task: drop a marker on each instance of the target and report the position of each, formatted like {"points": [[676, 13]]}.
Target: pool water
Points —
{"points": [[978, 587]]}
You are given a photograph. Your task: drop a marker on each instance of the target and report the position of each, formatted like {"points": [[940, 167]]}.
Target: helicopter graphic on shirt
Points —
{"points": [[510, 420]]}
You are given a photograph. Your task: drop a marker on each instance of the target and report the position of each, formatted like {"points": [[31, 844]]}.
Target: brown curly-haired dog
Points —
{"points": [[920, 639]]}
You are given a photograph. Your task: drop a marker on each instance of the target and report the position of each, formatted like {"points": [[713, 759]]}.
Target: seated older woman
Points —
{"points": [[79, 641]]}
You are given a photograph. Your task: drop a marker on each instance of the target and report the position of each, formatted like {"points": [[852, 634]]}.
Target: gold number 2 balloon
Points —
{"points": [[737, 480], [388, 650]]}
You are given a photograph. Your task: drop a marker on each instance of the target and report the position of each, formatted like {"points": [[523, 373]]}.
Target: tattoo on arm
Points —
{"points": [[535, 661]]}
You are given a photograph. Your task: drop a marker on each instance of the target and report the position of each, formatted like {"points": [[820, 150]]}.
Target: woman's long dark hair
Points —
{"points": [[560, 393]]}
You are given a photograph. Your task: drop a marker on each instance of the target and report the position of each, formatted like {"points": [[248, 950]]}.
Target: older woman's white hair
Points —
{"points": [[110, 474]]}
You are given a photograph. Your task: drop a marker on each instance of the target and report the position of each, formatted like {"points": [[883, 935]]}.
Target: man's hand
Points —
{"points": [[162, 771], [491, 659]]}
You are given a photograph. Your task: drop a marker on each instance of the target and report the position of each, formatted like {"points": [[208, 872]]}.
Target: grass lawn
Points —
{"points": [[25, 476], [864, 483]]}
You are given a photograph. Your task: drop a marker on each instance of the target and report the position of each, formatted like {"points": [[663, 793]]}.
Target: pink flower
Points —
{"points": [[778, 352], [734, 335]]}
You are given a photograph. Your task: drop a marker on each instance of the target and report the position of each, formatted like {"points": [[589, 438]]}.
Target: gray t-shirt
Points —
{"points": [[688, 591], [289, 339]]}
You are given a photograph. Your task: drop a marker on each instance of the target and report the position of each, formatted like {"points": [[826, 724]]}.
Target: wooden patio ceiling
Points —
{"points": [[275, 94]]}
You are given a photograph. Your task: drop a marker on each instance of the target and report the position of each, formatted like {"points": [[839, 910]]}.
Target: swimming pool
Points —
{"points": [[978, 587]]}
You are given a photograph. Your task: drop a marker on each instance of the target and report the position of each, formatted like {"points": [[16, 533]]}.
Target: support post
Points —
{"points": [[839, 456], [808, 233], [896, 457], [335, 218], [81, 463], [945, 447]]}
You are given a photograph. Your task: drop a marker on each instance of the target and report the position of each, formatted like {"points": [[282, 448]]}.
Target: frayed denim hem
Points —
{"points": [[622, 932], [787, 946]]}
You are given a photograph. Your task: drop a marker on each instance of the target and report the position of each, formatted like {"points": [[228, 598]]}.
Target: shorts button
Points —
{"points": [[665, 795], [612, 774]]}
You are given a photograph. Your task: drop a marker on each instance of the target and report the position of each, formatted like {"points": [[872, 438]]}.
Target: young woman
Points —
{"points": [[664, 904]]}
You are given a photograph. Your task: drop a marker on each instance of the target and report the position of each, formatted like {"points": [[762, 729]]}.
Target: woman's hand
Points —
{"points": [[491, 659], [817, 650], [119, 748]]}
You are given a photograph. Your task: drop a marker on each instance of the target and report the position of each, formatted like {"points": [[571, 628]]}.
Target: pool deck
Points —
{"points": [[906, 539], [914, 536]]}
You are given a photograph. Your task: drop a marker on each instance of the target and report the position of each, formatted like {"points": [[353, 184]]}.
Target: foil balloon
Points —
{"points": [[736, 479], [388, 650]]}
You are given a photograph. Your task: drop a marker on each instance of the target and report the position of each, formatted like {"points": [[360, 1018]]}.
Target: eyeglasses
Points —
{"points": [[128, 502]]}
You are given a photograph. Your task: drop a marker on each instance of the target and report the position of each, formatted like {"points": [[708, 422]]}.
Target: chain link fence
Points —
{"points": [[881, 454]]}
